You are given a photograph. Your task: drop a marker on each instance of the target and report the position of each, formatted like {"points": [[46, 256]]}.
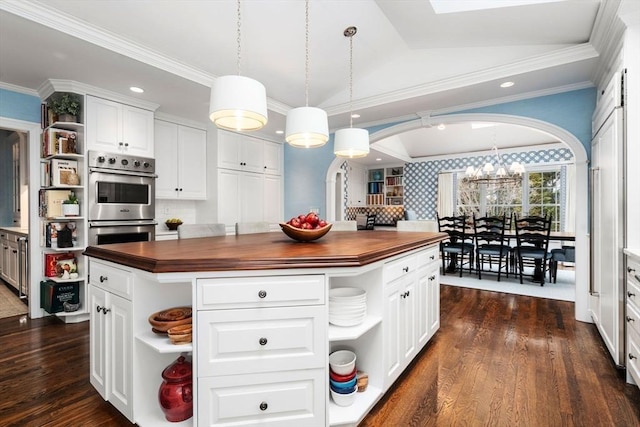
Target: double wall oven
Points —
{"points": [[121, 195]]}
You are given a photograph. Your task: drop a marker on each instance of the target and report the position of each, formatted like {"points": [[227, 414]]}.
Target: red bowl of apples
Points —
{"points": [[305, 228]]}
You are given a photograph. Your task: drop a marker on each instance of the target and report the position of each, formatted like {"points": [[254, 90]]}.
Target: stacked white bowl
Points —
{"points": [[347, 306]]}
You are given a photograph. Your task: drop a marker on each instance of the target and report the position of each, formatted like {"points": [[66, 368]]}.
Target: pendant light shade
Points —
{"points": [[307, 127], [351, 143], [238, 103]]}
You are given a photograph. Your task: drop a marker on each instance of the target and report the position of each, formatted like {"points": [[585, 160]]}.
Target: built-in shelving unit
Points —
{"points": [[385, 186]]}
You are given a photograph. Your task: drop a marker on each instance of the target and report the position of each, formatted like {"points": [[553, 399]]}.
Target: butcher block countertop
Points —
{"points": [[263, 251]]}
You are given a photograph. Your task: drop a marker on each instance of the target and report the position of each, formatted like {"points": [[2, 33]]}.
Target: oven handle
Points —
{"points": [[119, 223], [118, 172]]}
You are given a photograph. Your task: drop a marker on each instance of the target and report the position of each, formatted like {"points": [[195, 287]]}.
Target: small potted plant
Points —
{"points": [[71, 207], [66, 107]]}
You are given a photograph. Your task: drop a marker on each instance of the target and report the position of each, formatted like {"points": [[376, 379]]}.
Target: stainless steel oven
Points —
{"points": [[121, 198]]}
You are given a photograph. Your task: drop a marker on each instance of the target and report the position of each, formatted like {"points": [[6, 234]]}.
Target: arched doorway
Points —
{"points": [[581, 190]]}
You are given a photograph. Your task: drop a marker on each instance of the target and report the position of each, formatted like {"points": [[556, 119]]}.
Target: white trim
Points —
{"points": [[35, 257], [582, 206], [537, 147], [19, 89]]}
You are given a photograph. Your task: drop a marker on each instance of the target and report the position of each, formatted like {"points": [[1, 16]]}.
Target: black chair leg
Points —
{"points": [[444, 261]]}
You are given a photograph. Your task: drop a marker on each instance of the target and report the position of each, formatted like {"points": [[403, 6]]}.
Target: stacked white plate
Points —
{"points": [[347, 306]]}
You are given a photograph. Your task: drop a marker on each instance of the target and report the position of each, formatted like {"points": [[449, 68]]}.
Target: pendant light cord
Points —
{"points": [[239, 35], [350, 32], [306, 59]]}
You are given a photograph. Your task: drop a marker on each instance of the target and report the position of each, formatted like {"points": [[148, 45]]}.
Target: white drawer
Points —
{"points": [[428, 256], [252, 292], [110, 278], [633, 284], [633, 355], [399, 267], [633, 318], [277, 399], [261, 340]]}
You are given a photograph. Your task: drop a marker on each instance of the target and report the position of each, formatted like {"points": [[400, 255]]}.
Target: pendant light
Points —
{"points": [[238, 103], [307, 127], [351, 142]]}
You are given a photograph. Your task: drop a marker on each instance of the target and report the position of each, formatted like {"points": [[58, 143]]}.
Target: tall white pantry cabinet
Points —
{"points": [[249, 179]]}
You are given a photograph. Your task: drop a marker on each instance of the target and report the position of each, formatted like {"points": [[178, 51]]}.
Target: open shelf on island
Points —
{"points": [[162, 344], [345, 333], [352, 415], [61, 280]]}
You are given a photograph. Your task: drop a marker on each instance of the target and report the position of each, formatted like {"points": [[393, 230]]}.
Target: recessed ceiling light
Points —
{"points": [[279, 132], [507, 84], [355, 116], [378, 159], [441, 127], [136, 89]]}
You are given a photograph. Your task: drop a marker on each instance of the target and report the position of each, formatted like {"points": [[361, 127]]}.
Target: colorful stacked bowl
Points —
{"points": [[343, 377]]}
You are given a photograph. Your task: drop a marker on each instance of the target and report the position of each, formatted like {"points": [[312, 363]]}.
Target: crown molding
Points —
{"points": [[607, 37], [180, 120], [18, 89], [50, 86], [556, 58]]}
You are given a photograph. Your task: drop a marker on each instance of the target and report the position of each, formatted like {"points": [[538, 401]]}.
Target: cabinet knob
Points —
{"points": [[631, 356], [630, 294], [631, 270], [262, 294], [405, 269], [176, 188], [263, 406], [15, 252], [103, 279], [630, 319], [432, 257], [181, 189], [105, 310], [432, 277], [262, 341], [98, 309], [120, 144]]}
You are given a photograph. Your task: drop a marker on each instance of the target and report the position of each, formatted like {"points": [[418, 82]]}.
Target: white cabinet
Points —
{"points": [[249, 179], [10, 249], [400, 315], [632, 318], [115, 127], [428, 301], [111, 345], [356, 193], [249, 154], [181, 161]]}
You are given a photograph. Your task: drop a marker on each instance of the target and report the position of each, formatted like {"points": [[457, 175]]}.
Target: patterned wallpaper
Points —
{"points": [[421, 178]]}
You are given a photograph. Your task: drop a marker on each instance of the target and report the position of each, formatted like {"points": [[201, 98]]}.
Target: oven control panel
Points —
{"points": [[121, 162]]}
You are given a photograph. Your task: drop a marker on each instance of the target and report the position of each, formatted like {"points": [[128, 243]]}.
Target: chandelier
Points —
{"points": [[495, 172]]}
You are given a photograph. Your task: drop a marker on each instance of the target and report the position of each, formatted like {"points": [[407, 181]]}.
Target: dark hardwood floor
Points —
{"points": [[498, 360]]}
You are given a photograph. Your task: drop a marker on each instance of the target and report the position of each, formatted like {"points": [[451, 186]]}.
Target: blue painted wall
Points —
{"points": [[19, 106], [305, 170], [16, 106]]}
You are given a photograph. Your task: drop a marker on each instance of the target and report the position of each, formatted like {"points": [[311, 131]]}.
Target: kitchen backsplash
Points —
{"points": [[183, 209]]}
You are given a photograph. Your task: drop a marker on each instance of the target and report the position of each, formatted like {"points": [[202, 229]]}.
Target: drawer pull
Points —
{"points": [[631, 356], [432, 277], [262, 341], [405, 269], [105, 310], [98, 309], [262, 294], [631, 270], [432, 257], [630, 319], [103, 279], [263, 406], [630, 294]]}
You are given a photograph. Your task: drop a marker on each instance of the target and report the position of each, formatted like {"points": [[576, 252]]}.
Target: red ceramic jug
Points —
{"points": [[175, 394]]}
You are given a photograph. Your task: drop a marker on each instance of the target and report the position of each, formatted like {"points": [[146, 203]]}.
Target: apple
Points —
{"points": [[312, 219], [322, 223], [302, 218], [295, 222]]}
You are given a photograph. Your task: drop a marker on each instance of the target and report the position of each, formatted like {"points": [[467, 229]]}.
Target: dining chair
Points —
{"points": [[532, 244], [564, 254], [190, 231], [369, 223], [459, 245], [491, 243], [252, 227]]}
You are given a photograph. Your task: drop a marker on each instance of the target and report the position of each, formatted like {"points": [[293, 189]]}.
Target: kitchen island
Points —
{"points": [[261, 313]]}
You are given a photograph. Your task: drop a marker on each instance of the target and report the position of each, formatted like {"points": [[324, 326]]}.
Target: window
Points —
{"points": [[541, 187]]}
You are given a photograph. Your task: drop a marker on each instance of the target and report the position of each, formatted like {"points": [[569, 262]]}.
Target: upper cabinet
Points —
{"points": [[118, 128], [249, 154], [181, 161], [356, 187]]}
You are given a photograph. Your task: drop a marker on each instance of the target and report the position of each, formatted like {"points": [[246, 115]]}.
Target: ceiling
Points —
{"points": [[408, 60]]}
